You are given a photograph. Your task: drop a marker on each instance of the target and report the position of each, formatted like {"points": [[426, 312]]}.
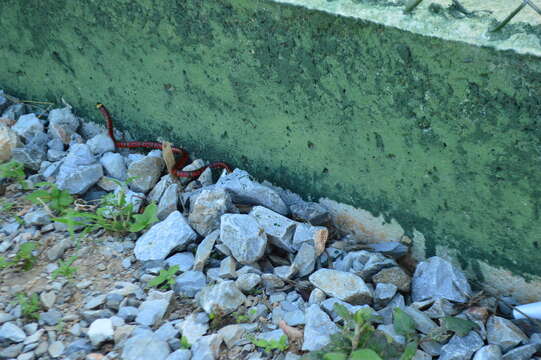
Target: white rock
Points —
{"points": [[100, 330], [243, 235], [278, 228], [342, 285]]}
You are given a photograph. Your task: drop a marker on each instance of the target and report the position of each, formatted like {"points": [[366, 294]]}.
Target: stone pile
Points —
{"points": [[250, 257]]}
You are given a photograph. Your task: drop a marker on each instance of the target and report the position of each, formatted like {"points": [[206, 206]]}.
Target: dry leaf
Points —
{"points": [[320, 239], [168, 156], [293, 334]]}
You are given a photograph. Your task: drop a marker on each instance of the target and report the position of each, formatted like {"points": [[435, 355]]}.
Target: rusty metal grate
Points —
{"points": [[412, 4]]}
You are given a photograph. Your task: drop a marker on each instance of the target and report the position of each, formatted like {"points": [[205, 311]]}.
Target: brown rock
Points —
{"points": [[394, 275]]}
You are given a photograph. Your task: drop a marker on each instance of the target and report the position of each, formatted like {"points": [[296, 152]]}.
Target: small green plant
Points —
{"points": [[241, 318], [6, 206], [184, 344], [13, 171], [114, 213], [269, 345], [65, 269], [166, 278], [49, 194], [30, 305], [24, 257]]}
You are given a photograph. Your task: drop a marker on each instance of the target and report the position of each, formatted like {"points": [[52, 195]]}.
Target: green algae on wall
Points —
{"points": [[442, 136]]}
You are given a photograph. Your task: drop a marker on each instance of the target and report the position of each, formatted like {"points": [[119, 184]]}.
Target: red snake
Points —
{"points": [[184, 156]]}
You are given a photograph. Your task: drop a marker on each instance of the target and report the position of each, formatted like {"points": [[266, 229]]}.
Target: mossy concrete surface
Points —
{"points": [[442, 136]]}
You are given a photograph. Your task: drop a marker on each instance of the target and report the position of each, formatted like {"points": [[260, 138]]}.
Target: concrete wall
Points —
{"points": [[441, 136]]}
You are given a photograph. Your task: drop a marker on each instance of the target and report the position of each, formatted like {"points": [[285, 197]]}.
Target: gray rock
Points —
{"points": [[62, 124], [30, 157], [228, 267], [48, 299], [247, 282], [204, 250], [393, 275], [184, 261], [423, 323], [207, 347], [232, 334], [27, 126], [524, 352], [173, 233], [436, 277], [145, 172], [55, 155], [194, 326], [387, 312], [305, 260], [318, 329], [421, 355], [145, 347], [488, 352], [37, 217], [317, 296], [504, 333], [222, 298], [14, 111], [181, 354], [342, 285], [100, 331], [393, 249], [273, 335], [246, 190], [56, 349], [441, 308], [55, 144], [11, 333], [166, 331], [57, 250], [11, 351], [78, 179], [460, 348], [112, 301], [158, 190], [390, 331], [207, 208], [168, 202], [310, 212], [51, 317], [278, 228], [91, 315], [189, 283], [89, 129], [271, 281], [195, 165], [114, 165], [244, 236], [363, 263], [383, 294], [306, 233], [101, 144], [151, 311], [128, 313]]}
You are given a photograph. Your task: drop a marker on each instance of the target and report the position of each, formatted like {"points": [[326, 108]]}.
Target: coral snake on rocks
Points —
{"points": [[184, 156]]}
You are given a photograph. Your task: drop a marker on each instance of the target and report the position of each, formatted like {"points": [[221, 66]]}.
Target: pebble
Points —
{"points": [[247, 282], [101, 144], [114, 165], [56, 349], [11, 332], [181, 354], [100, 331], [342, 285], [51, 317], [207, 347], [244, 236], [222, 298], [393, 275], [189, 283], [145, 347], [194, 326]]}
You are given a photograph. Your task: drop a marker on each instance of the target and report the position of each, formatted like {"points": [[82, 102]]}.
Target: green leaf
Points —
{"points": [[364, 354], [363, 315], [343, 312], [459, 326], [335, 356], [403, 323], [410, 351], [148, 217]]}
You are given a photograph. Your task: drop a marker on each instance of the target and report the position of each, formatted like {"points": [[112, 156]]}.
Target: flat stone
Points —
{"points": [[228, 267], [524, 352], [184, 261], [204, 250], [393, 275], [394, 249], [12, 333], [222, 298], [56, 349], [232, 334], [167, 331], [244, 236], [173, 233], [310, 212], [383, 294], [168, 201], [278, 228], [317, 296], [305, 260], [62, 124], [421, 355], [504, 333], [95, 301], [245, 190], [128, 313], [30, 157], [390, 331], [158, 190], [318, 329], [100, 331], [114, 166], [207, 347], [51, 317], [180, 354], [342, 285], [248, 282], [423, 323], [461, 347], [152, 311], [37, 217], [436, 277], [57, 250], [27, 126], [11, 351], [101, 144], [48, 299], [488, 352], [145, 172], [145, 347], [189, 283], [207, 208], [78, 179]]}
